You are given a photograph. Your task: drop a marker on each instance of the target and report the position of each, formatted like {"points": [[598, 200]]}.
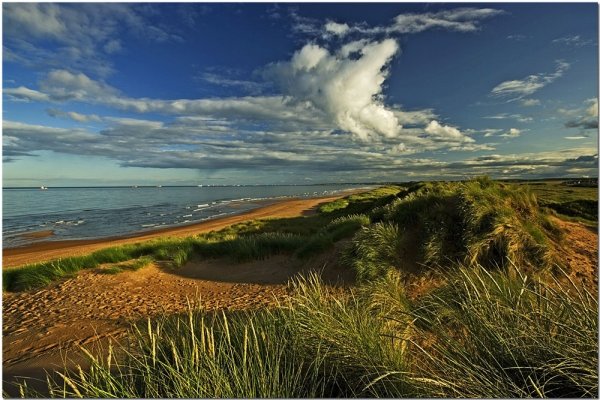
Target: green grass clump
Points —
{"points": [[348, 224], [477, 222], [375, 250], [132, 265], [366, 351], [339, 228], [244, 355], [42, 274], [361, 202], [335, 205], [263, 245], [500, 334]]}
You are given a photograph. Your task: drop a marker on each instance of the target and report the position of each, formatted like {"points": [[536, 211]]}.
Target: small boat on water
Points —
{"points": [[43, 187]]}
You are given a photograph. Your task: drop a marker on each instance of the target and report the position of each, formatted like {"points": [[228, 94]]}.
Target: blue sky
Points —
{"points": [[122, 94]]}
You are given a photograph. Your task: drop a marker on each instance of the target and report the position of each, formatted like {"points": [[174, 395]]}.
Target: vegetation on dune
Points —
{"points": [[403, 227], [361, 202], [38, 275], [502, 334], [483, 334], [434, 224], [198, 355]]}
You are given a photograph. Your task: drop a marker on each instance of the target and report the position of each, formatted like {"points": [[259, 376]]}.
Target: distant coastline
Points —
{"points": [[376, 183], [48, 250], [96, 213]]}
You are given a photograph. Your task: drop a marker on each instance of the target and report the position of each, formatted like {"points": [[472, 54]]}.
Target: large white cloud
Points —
{"points": [[349, 89]]}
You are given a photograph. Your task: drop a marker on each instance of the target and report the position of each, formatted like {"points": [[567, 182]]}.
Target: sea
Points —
{"points": [[31, 215]]}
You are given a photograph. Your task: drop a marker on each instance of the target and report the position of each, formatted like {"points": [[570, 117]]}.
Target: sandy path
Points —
{"points": [[94, 305], [50, 250], [580, 249]]}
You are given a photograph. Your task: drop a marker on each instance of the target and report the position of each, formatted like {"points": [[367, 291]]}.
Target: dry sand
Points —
{"points": [[580, 249]]}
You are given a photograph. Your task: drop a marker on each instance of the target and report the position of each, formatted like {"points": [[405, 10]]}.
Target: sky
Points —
{"points": [[183, 94]]}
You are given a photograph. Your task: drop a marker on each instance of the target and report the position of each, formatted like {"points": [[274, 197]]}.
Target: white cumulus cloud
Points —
{"points": [[348, 89], [446, 132], [336, 28]]}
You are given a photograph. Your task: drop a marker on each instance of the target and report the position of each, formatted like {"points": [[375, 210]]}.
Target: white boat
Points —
{"points": [[43, 188]]}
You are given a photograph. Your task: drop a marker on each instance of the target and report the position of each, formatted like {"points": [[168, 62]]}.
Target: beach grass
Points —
{"points": [[42, 274], [504, 334], [435, 224], [481, 334]]}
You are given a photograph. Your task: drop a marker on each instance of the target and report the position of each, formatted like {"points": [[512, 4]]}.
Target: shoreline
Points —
{"points": [[50, 250]]}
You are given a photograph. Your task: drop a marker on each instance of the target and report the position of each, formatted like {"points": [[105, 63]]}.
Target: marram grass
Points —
{"points": [[474, 222], [482, 334]]}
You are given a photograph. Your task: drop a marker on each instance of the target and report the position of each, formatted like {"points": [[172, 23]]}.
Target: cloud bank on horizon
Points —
{"points": [[336, 97]]}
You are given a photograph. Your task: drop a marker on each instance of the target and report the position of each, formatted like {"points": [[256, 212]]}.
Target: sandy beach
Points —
{"points": [[50, 250], [44, 326]]}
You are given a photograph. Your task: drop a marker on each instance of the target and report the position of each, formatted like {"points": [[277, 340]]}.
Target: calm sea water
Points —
{"points": [[86, 213]]}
